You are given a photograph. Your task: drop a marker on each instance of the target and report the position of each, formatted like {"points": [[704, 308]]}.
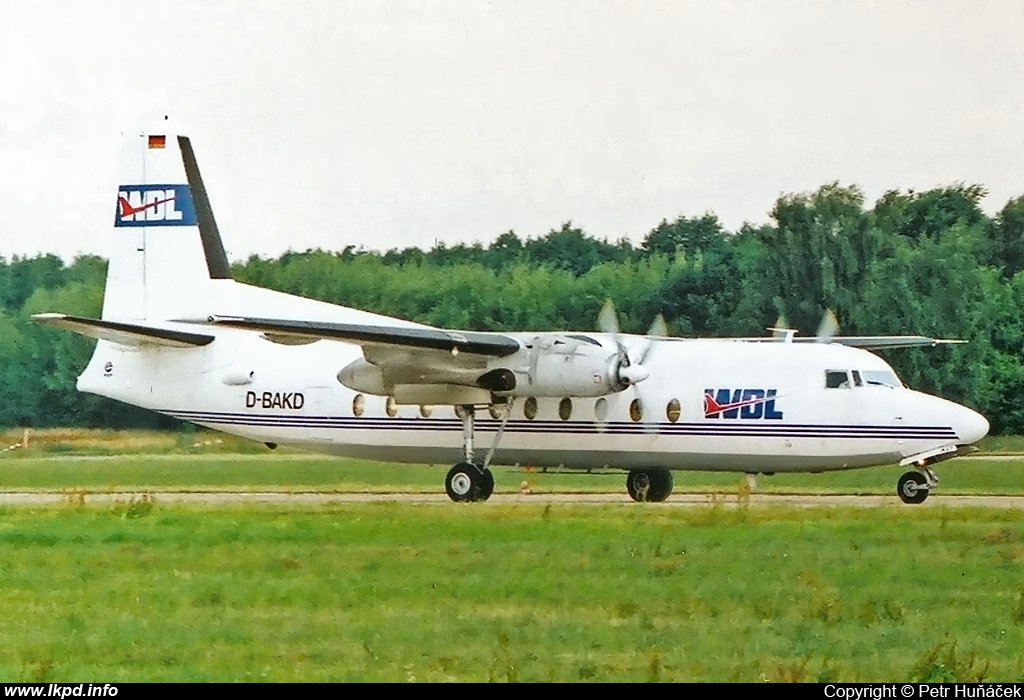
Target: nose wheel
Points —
{"points": [[653, 485], [913, 487]]}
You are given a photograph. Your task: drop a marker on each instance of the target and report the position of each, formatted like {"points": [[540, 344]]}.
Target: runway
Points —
{"points": [[681, 500]]}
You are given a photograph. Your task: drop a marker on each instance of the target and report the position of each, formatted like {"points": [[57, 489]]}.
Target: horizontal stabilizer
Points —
{"points": [[288, 331], [124, 333]]}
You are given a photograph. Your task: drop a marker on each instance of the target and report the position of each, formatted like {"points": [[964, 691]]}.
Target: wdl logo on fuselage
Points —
{"points": [[744, 404], [155, 205]]}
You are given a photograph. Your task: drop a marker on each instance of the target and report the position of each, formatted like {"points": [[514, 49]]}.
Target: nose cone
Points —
{"points": [[970, 426]]}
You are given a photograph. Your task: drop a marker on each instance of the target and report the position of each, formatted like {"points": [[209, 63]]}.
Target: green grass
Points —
{"points": [[1002, 444], [276, 471], [100, 460], [393, 592]]}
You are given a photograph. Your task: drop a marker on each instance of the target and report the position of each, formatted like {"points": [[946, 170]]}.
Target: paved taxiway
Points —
{"points": [[677, 500]]}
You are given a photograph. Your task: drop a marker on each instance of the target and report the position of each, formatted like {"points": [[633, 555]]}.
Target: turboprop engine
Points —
{"points": [[551, 366], [548, 366]]}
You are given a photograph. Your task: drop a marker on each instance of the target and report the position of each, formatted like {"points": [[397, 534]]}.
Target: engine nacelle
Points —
{"points": [[554, 367], [548, 366], [363, 376]]}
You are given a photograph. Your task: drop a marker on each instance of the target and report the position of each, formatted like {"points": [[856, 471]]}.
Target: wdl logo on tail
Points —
{"points": [[155, 205]]}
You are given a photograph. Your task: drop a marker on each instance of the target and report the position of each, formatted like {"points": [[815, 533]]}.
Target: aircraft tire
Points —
{"points": [[486, 484], [650, 485], [912, 487], [465, 483], [661, 485]]}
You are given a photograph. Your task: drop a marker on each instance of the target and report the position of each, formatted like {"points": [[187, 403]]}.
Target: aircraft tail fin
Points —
{"points": [[167, 255]]}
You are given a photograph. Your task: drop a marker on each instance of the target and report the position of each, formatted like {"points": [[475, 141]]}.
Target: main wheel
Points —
{"points": [[653, 485], [912, 487], [661, 485], [638, 484], [486, 484], [466, 483]]}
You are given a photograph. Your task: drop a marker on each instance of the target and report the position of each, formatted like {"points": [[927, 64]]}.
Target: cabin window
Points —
{"points": [[530, 408], [358, 405], [601, 410], [565, 409], [672, 411], [391, 406], [425, 411], [836, 379], [636, 412]]}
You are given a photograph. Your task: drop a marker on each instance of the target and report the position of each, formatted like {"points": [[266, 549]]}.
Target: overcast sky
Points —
{"points": [[394, 124]]}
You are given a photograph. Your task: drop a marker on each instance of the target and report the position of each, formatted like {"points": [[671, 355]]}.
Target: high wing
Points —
{"points": [[373, 337], [882, 342], [129, 334], [412, 364], [876, 342]]}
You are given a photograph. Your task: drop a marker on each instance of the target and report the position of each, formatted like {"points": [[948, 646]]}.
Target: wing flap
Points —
{"points": [[130, 334]]}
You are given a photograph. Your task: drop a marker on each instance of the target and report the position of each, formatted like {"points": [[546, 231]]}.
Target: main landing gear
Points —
{"points": [[466, 482], [469, 481], [913, 487], [652, 485]]}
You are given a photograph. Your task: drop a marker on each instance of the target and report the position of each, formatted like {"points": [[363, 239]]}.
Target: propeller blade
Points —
{"points": [[781, 330], [828, 328], [633, 374], [658, 329], [608, 320], [648, 410]]}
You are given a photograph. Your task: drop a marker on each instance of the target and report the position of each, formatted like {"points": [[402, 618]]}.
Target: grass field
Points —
{"points": [[482, 592], [194, 440], [144, 591], [299, 472], [94, 460]]}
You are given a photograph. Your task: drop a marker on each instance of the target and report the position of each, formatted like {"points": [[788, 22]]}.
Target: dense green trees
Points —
{"points": [[915, 262]]}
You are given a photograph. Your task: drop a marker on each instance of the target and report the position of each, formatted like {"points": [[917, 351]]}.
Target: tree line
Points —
{"points": [[930, 263]]}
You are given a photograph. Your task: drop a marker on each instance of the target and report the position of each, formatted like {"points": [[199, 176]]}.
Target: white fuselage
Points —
{"points": [[289, 394]]}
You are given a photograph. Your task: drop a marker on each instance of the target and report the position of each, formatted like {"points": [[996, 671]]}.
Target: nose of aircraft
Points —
{"points": [[970, 426]]}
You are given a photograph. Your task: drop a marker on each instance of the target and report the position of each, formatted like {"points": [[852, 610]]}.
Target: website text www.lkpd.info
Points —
{"points": [[61, 690]]}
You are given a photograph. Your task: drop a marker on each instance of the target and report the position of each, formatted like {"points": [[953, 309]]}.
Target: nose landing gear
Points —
{"points": [[913, 487]]}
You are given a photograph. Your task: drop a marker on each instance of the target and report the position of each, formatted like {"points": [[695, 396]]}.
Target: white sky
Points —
{"points": [[393, 124]]}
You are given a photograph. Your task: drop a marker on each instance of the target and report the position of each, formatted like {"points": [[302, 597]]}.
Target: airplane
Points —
{"points": [[177, 335]]}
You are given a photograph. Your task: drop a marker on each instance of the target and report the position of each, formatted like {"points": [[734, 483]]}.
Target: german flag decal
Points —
{"points": [[157, 141]]}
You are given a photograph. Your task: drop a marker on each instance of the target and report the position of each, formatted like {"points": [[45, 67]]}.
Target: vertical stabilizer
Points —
{"points": [[167, 255]]}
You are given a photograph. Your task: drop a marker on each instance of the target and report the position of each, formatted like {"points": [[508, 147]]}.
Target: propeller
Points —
{"points": [[629, 369], [781, 330], [828, 328]]}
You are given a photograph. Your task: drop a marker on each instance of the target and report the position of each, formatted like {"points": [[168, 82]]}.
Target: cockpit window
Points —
{"points": [[857, 381], [837, 379], [881, 377]]}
